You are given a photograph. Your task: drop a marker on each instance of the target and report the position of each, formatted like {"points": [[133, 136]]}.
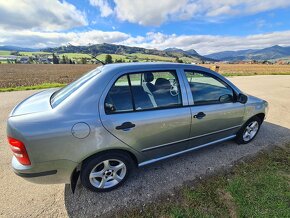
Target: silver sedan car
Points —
{"points": [[120, 116]]}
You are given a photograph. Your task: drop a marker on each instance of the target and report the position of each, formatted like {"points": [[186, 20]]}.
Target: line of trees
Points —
{"points": [[62, 60]]}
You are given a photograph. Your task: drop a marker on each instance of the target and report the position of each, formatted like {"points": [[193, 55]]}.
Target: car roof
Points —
{"points": [[144, 65]]}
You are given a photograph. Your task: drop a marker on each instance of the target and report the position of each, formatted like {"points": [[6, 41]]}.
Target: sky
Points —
{"points": [[207, 26]]}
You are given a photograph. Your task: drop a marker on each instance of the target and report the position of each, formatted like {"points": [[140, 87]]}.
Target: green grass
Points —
{"points": [[102, 57], [256, 188], [75, 55], [151, 57], [4, 53], [26, 53], [40, 86]]}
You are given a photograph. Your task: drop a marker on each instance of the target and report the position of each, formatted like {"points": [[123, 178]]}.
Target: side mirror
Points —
{"points": [[226, 98], [242, 98]]}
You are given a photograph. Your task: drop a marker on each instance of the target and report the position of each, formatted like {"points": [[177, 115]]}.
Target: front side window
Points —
{"points": [[143, 91], [206, 89]]}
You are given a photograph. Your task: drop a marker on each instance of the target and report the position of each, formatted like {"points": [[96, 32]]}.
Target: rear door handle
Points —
{"points": [[125, 126], [199, 115]]}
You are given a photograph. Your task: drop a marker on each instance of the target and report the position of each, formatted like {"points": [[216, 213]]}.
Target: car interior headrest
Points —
{"points": [[162, 83], [148, 77]]}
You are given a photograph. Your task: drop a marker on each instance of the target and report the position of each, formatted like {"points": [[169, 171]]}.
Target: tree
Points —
{"points": [[63, 60], [83, 60], [55, 59], [30, 60], [178, 60], [108, 59]]}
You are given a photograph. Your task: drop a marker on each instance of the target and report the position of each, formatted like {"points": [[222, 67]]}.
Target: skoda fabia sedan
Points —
{"points": [[119, 116]]}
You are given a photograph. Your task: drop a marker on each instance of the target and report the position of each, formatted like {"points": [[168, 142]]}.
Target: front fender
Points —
{"points": [[255, 106]]}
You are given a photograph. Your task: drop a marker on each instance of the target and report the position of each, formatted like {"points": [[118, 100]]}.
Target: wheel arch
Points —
{"points": [[261, 116], [123, 151]]}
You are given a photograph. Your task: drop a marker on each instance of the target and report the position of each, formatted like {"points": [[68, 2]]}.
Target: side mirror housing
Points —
{"points": [[242, 98]]}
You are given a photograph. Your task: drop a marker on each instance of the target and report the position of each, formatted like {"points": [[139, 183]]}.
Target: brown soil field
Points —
{"points": [[13, 75], [251, 69]]}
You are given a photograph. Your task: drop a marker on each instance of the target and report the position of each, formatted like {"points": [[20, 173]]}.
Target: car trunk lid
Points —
{"points": [[38, 102]]}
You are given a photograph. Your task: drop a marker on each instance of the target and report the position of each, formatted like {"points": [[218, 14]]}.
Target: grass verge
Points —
{"points": [[40, 86], [256, 188]]}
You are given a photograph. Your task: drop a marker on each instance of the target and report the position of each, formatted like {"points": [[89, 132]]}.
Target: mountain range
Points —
{"points": [[270, 53], [106, 48], [16, 48]]}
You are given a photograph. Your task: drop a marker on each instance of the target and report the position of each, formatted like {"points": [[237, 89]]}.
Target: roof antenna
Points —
{"points": [[95, 57]]}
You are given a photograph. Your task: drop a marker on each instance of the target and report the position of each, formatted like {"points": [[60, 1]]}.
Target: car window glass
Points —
{"points": [[206, 89], [155, 90], [60, 95], [119, 97]]}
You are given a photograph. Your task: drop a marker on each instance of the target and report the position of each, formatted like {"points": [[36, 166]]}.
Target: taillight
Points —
{"points": [[19, 151]]}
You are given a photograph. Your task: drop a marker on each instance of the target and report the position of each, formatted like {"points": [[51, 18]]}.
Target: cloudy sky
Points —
{"points": [[204, 25]]}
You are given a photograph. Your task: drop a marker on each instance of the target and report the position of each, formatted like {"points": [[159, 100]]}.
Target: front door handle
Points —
{"points": [[199, 115], [125, 126]]}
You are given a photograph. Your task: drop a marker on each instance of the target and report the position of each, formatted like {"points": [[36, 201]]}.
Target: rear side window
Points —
{"points": [[144, 91], [119, 98], [206, 89]]}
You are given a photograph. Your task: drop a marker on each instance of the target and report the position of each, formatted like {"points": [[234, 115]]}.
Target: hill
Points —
{"points": [[270, 53], [98, 49], [15, 48]]}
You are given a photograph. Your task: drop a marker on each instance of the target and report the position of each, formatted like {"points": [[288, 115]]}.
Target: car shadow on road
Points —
{"points": [[150, 181]]}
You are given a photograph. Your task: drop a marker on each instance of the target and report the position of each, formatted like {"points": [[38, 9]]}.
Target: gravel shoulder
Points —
{"points": [[19, 198]]}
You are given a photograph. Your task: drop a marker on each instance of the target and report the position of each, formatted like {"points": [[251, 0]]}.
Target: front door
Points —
{"points": [[145, 111], [215, 113]]}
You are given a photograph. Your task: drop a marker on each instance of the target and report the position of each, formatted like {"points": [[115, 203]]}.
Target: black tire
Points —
{"points": [[239, 138], [94, 161]]}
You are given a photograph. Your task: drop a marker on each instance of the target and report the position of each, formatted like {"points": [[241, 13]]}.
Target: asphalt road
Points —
{"points": [[19, 198]]}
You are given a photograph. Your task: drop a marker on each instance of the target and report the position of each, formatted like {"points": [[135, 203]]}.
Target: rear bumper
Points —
{"points": [[51, 172]]}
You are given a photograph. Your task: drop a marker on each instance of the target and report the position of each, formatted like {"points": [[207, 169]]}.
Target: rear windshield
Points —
{"points": [[66, 91]]}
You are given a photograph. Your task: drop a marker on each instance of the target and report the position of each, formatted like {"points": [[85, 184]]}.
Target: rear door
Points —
{"points": [[145, 111], [216, 115]]}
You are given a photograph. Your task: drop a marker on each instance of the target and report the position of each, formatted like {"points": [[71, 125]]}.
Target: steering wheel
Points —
{"points": [[174, 89]]}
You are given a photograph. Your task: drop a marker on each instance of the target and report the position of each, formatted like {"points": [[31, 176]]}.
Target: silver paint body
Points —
{"points": [[61, 138]]}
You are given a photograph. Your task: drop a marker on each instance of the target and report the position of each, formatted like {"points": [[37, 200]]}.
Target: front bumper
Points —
{"points": [[51, 172]]}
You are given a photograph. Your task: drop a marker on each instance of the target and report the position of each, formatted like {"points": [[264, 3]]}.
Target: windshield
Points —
{"points": [[60, 95]]}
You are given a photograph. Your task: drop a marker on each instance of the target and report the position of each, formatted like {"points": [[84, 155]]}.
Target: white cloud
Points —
{"points": [[204, 44], [45, 15], [36, 39], [104, 6], [154, 13]]}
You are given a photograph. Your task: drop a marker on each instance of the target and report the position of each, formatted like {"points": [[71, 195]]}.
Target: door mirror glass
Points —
{"points": [[242, 98], [226, 98]]}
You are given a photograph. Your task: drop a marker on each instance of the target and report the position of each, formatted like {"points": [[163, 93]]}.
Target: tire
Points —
{"points": [[241, 135], [105, 172]]}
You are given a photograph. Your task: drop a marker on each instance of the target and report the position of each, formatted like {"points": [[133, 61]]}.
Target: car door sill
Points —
{"points": [[185, 151], [195, 137]]}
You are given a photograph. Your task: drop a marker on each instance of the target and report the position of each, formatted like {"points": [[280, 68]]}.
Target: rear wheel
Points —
{"points": [[249, 131], [106, 172]]}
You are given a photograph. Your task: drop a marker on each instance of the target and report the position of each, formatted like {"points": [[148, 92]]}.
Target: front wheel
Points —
{"points": [[249, 131], [105, 172]]}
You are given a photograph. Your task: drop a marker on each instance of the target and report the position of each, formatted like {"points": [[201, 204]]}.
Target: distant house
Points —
{"points": [[9, 57], [24, 60], [44, 60]]}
